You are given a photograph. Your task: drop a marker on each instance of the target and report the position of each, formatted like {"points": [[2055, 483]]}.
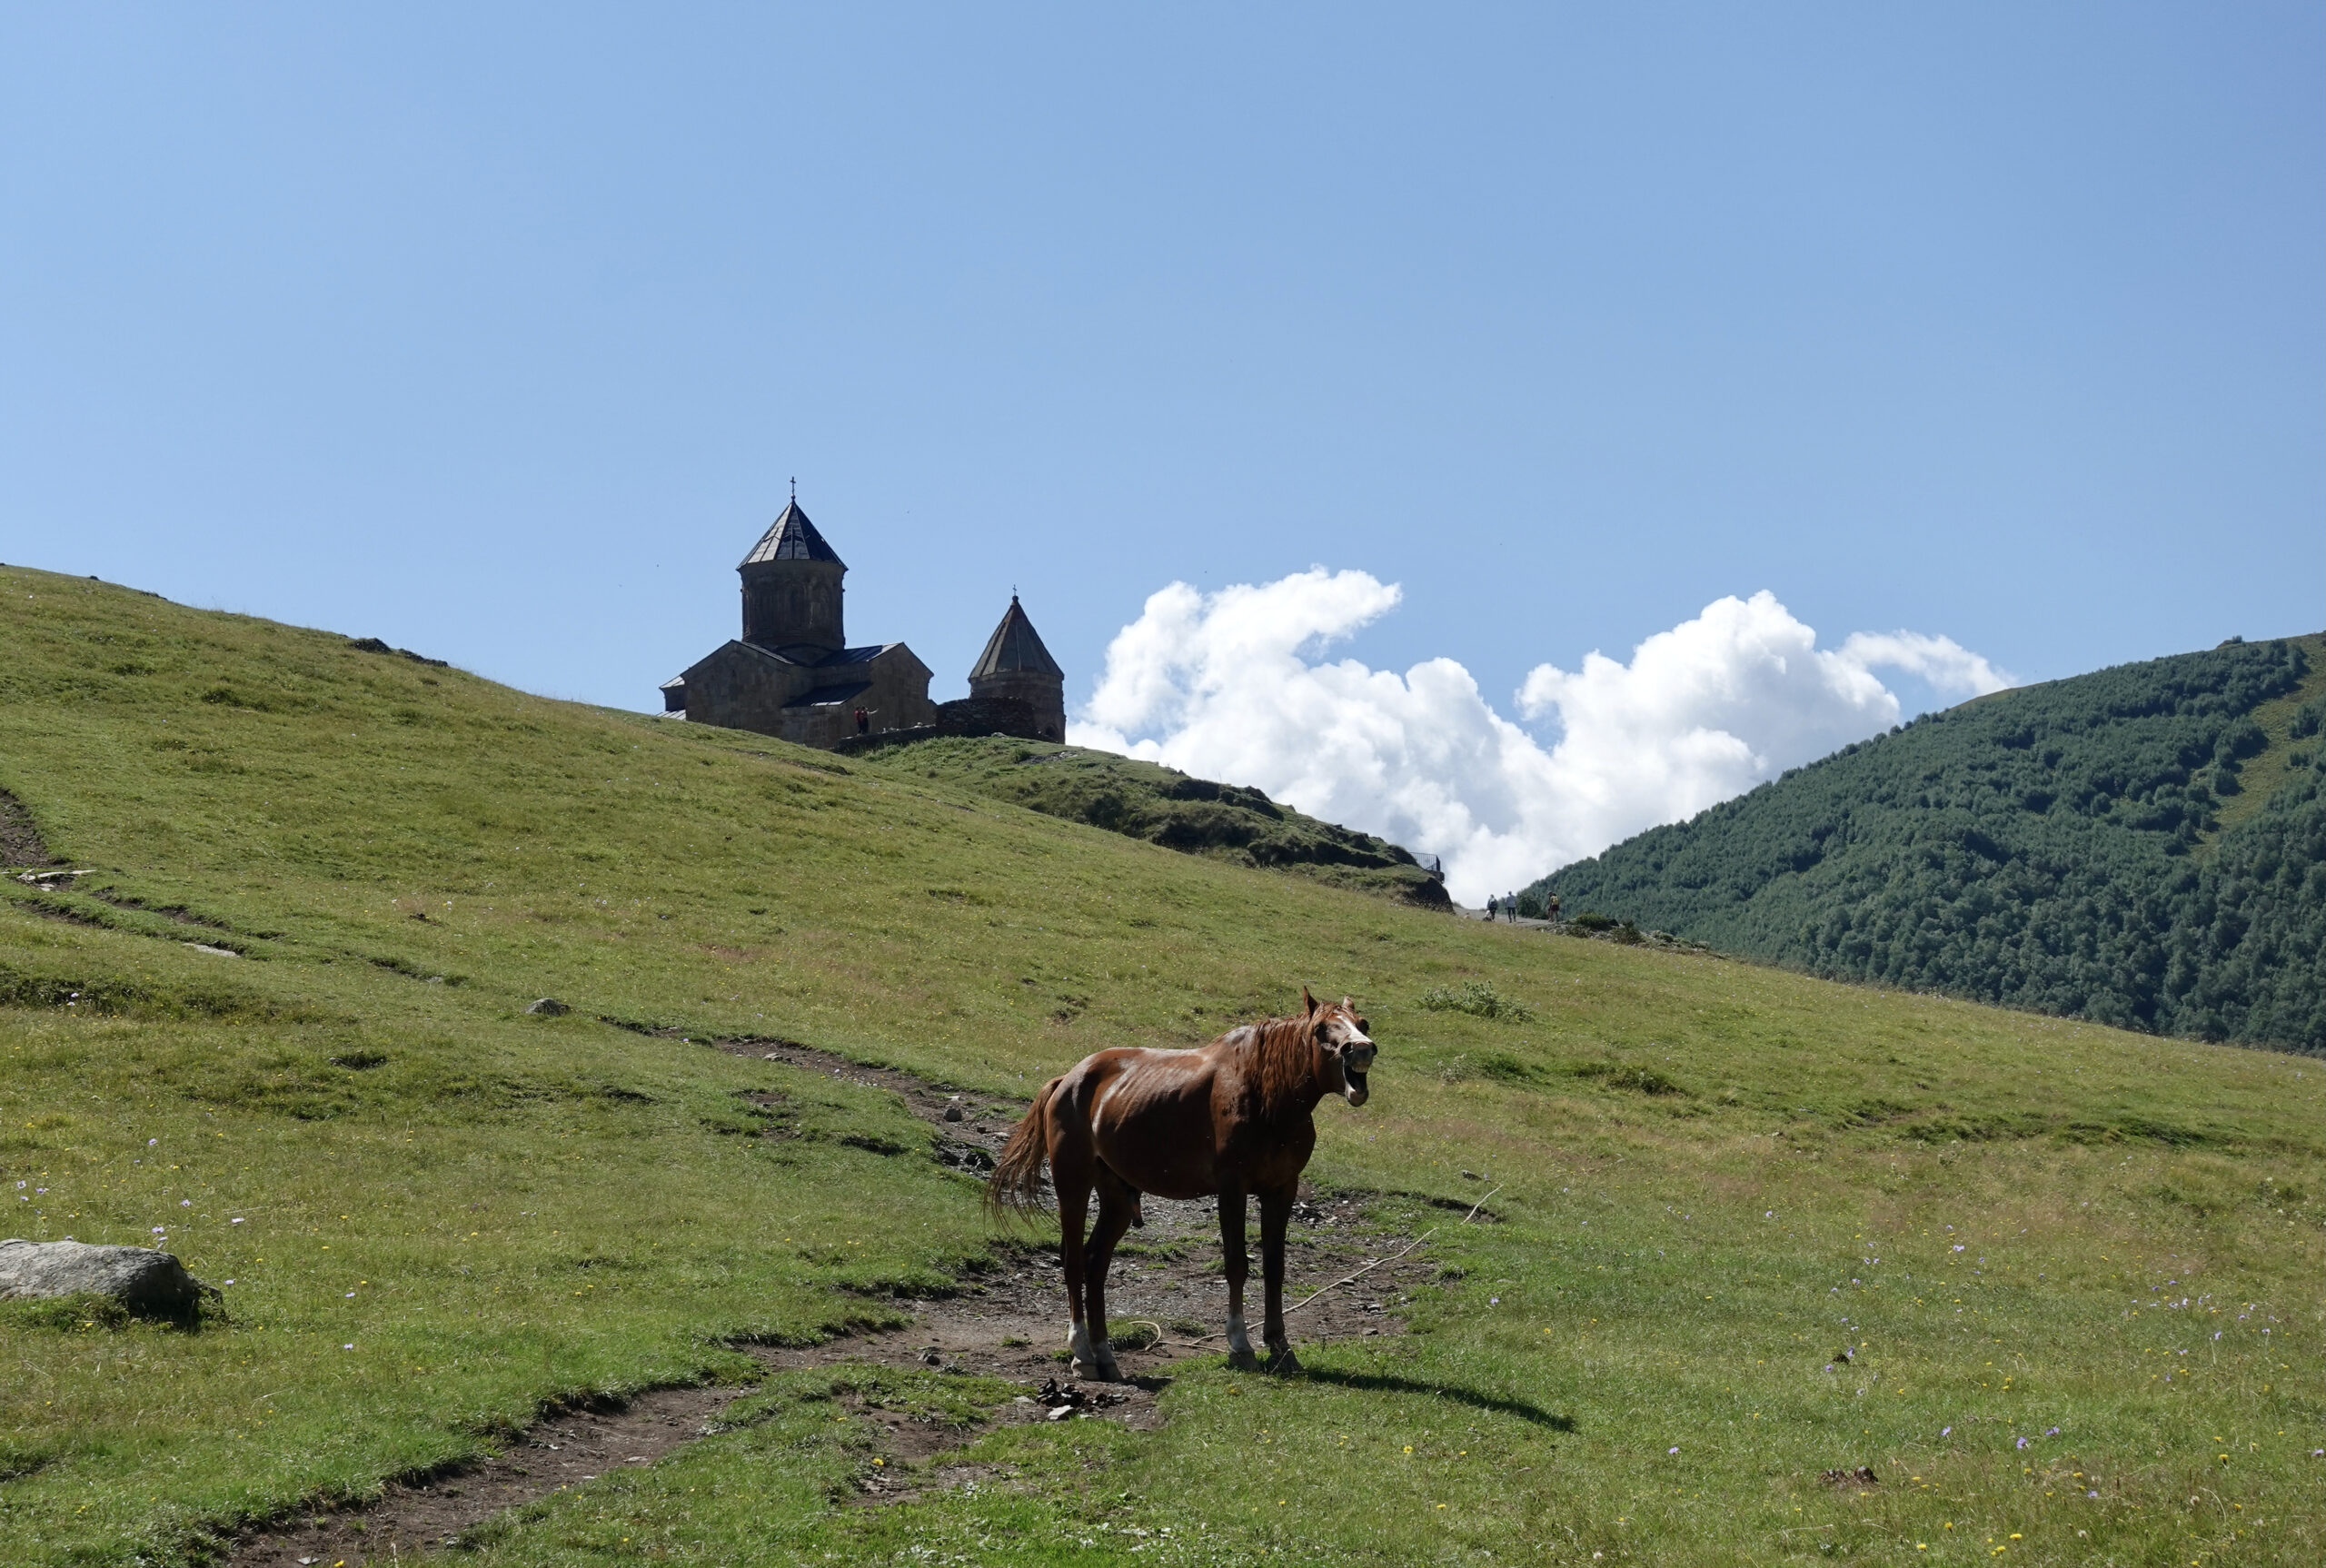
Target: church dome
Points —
{"points": [[1015, 648], [792, 537]]}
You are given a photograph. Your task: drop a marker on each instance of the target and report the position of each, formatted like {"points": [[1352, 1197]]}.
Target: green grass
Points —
{"points": [[1696, 1159]]}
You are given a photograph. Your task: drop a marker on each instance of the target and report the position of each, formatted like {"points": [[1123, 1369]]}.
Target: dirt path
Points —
{"points": [[567, 1449], [1167, 1288]]}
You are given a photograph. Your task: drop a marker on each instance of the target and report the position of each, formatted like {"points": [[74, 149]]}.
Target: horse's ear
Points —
{"points": [[1308, 1001]]}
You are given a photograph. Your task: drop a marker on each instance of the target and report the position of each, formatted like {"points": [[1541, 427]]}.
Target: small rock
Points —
{"points": [[931, 1357], [952, 1113], [1062, 1413], [550, 1008], [139, 1277]]}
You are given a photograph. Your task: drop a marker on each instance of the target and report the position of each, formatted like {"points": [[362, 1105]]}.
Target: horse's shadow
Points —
{"points": [[1381, 1383]]}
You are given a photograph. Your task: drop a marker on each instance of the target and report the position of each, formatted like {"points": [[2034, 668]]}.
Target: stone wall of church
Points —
{"points": [[1042, 694], [967, 717], [794, 603], [737, 688], [896, 698]]}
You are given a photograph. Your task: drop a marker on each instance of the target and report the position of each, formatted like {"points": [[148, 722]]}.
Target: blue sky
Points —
{"points": [[497, 331]]}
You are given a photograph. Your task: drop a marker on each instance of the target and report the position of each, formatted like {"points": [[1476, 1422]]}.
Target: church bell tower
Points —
{"points": [[792, 590]]}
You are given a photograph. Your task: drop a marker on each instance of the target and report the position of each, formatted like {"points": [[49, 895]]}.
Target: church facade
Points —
{"points": [[793, 674]]}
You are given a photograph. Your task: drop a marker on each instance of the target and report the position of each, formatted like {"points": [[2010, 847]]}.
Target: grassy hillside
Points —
{"points": [[2144, 847], [1712, 1177], [1229, 822]]}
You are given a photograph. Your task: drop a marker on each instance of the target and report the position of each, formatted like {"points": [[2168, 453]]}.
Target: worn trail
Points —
{"points": [[1169, 1300]]}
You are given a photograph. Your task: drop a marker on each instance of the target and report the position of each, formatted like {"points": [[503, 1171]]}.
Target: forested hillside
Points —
{"points": [[2144, 846]]}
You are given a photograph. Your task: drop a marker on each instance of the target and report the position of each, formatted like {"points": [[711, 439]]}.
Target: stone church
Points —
{"points": [[793, 674]]}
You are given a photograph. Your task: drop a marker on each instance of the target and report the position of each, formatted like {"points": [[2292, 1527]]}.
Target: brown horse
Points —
{"points": [[1221, 1120]]}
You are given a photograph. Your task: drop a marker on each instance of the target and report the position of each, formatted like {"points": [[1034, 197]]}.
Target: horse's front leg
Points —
{"points": [[1275, 1213], [1231, 1249]]}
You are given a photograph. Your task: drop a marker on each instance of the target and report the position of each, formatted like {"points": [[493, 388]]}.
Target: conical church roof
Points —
{"points": [[1016, 647], [792, 537]]}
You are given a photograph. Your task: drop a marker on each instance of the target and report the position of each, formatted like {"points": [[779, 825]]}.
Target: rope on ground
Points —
{"points": [[1361, 1272], [1160, 1342], [1477, 1206]]}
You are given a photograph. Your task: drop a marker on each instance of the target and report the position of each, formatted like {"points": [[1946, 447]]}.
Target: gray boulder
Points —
{"points": [[550, 1008], [140, 1278]]}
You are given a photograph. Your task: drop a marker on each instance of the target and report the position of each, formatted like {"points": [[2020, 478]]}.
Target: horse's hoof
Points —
{"points": [[1086, 1372], [1243, 1361], [1283, 1360]]}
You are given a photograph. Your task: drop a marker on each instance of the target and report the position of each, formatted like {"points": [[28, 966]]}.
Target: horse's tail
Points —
{"points": [[1015, 1186]]}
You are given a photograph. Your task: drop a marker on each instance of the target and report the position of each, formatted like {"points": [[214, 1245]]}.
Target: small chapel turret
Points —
{"points": [[1016, 665]]}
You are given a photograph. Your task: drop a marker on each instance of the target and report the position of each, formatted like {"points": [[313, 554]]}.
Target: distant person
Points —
{"points": [[1493, 908], [1551, 908], [863, 722]]}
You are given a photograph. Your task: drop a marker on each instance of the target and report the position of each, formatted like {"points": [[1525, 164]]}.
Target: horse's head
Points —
{"points": [[1346, 1049]]}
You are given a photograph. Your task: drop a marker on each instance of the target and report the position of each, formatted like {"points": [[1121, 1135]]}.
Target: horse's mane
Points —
{"points": [[1283, 1062]]}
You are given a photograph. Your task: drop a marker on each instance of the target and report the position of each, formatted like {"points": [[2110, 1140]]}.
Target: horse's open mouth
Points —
{"points": [[1355, 1091]]}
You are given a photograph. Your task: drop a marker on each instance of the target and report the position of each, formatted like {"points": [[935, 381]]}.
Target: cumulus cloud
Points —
{"points": [[1945, 663], [1233, 686]]}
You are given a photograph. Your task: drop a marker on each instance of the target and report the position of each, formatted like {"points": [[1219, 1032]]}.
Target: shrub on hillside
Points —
{"points": [[1479, 999]]}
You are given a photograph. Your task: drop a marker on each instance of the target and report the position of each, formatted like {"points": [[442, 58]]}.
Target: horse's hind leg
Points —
{"points": [[1072, 1168], [1118, 1207], [1231, 1248]]}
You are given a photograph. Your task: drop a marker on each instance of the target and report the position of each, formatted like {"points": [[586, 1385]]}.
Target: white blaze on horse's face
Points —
{"points": [[1351, 1047]]}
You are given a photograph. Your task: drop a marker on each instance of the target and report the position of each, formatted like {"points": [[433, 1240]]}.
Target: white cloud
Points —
{"points": [[1233, 686], [1945, 663]]}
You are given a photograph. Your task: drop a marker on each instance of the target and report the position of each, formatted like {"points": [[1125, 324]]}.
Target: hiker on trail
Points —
{"points": [[863, 722], [1551, 908], [1492, 910]]}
